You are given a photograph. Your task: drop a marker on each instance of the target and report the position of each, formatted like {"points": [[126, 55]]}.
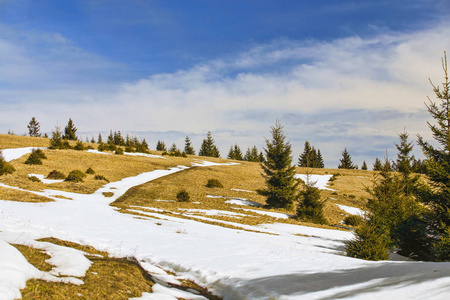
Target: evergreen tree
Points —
{"points": [[34, 127], [188, 148], [231, 153], [305, 159], [161, 146], [281, 186], [70, 131], [56, 140], [100, 140], [310, 158], [110, 138], [364, 166], [389, 208], [346, 161], [261, 157], [319, 160], [310, 207], [144, 146], [377, 165], [252, 155], [173, 148], [235, 153], [437, 196], [208, 147], [404, 163]]}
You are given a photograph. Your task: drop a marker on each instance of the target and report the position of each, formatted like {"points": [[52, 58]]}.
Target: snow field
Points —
{"points": [[272, 261]]}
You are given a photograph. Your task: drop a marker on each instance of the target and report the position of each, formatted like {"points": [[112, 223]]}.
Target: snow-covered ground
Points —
{"points": [[292, 262], [351, 210], [318, 181]]}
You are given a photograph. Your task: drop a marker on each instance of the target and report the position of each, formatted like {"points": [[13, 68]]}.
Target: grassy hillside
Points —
{"points": [[240, 181]]}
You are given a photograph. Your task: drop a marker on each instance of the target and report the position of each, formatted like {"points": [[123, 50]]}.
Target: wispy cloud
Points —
{"points": [[352, 92]]}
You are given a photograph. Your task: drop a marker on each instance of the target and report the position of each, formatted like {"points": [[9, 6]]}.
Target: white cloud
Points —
{"points": [[240, 96]]}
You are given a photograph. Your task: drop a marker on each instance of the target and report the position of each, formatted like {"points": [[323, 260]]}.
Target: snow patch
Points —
{"points": [[318, 181]]}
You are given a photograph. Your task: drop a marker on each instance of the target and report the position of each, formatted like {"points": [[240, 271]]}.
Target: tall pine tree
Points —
{"points": [[34, 127], [188, 148], [346, 161], [281, 186], [208, 147], [70, 131], [438, 169]]}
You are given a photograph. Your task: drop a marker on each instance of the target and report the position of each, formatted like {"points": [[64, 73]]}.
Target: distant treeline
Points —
{"points": [[310, 157]]}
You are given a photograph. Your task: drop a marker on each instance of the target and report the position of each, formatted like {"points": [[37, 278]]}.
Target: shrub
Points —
{"points": [[34, 179], [129, 149], [310, 208], [79, 146], [100, 177], [183, 196], [90, 171], [119, 151], [353, 220], [35, 157], [371, 243], [5, 167], [214, 183], [101, 147], [75, 176], [55, 174], [65, 145], [334, 177]]}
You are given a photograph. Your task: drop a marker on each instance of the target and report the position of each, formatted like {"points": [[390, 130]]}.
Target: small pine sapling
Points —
{"points": [[214, 183], [183, 196]]}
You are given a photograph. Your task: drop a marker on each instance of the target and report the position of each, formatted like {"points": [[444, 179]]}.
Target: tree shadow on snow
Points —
{"points": [[345, 282]]}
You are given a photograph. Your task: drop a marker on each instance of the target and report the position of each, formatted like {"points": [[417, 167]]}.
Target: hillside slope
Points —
{"points": [[219, 240]]}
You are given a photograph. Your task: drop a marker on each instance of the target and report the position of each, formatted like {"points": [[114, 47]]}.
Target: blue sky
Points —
{"points": [[337, 73]]}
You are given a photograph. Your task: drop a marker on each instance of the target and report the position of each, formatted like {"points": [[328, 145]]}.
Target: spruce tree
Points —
{"points": [[161, 146], [437, 196], [377, 165], [188, 148], [364, 166], [34, 127], [346, 161], [281, 186], [173, 148], [56, 140], [305, 159], [319, 160], [310, 207], [100, 139], [208, 147], [235, 153], [310, 158], [70, 131]]}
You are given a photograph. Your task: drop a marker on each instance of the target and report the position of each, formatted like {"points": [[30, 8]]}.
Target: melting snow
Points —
{"points": [[319, 181], [293, 262], [351, 210]]}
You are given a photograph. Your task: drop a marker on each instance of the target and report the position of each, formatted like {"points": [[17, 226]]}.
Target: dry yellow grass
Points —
{"points": [[113, 167], [16, 195], [18, 141], [349, 185], [247, 177], [107, 278]]}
